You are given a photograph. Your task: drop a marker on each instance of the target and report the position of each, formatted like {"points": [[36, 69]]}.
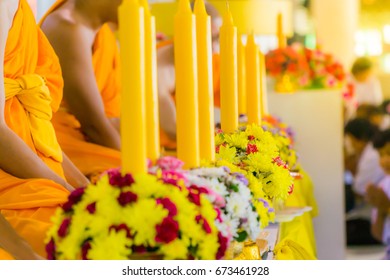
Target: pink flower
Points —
{"points": [[170, 163], [73, 199], [127, 198], [219, 217], [173, 177], [91, 208], [251, 148], [219, 200], [64, 227], [167, 231], [169, 205]]}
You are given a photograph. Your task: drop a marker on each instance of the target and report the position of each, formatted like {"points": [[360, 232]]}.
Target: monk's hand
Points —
{"points": [[377, 197]]}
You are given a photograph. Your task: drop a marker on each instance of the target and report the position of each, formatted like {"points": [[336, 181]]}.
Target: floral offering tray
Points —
{"points": [[289, 213]]}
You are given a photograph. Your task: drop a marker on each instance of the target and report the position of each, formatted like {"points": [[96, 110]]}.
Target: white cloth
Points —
{"points": [[369, 92], [385, 185], [368, 170]]}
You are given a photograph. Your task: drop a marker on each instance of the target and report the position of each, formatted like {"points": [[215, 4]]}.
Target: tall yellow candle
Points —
{"points": [[133, 136], [187, 121], [280, 33], [205, 82], [253, 81], [151, 94], [228, 50], [263, 85], [241, 79]]}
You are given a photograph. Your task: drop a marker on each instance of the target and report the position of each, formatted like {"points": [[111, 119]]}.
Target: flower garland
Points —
{"points": [[124, 215]]}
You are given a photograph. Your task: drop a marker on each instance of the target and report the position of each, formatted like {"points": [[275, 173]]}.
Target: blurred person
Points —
{"points": [[364, 166], [379, 195]]}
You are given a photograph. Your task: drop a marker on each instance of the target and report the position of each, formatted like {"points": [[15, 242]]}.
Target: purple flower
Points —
{"points": [[226, 169], [241, 177]]}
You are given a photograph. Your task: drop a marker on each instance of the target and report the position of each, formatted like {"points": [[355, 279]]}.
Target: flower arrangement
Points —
{"points": [[289, 62], [241, 212], [284, 139], [254, 152], [122, 216], [324, 70]]}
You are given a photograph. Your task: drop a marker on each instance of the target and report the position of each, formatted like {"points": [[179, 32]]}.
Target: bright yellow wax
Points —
{"points": [[228, 50], [241, 77], [280, 33], [205, 82], [133, 136], [151, 94], [263, 85], [253, 81], [187, 120]]}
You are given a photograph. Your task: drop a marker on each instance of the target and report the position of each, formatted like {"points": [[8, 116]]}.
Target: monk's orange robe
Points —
{"points": [[33, 90], [90, 158]]}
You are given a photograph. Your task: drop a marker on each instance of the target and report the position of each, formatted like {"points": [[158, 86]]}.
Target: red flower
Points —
{"points": [[127, 198], [251, 137], [51, 250], [217, 149], [201, 220], [73, 199], [91, 208], [251, 148], [223, 245], [116, 178], [121, 227], [219, 217], [84, 250], [194, 194], [291, 189], [167, 231], [169, 205], [63, 230], [139, 249]]}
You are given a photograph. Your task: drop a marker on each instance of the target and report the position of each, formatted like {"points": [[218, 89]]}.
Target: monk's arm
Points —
{"points": [[72, 174], [80, 89], [167, 108], [14, 244], [16, 157], [116, 122]]}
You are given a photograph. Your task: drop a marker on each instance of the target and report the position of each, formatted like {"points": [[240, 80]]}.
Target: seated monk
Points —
{"points": [[14, 244], [32, 166], [87, 125], [166, 80]]}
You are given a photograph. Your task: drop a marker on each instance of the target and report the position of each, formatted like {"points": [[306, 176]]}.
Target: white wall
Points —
{"points": [[43, 6]]}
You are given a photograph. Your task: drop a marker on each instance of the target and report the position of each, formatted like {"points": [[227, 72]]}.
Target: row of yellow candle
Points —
{"points": [[194, 96], [139, 105]]}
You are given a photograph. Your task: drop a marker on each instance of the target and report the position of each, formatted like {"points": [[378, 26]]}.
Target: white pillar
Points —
{"points": [[335, 22]]}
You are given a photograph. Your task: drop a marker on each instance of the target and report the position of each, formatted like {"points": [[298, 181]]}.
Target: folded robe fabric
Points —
{"points": [[33, 85], [90, 158]]}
